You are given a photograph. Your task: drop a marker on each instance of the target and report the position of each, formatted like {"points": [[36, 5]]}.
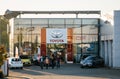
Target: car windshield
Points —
{"points": [[15, 59], [24, 57], [89, 58], [84, 56]]}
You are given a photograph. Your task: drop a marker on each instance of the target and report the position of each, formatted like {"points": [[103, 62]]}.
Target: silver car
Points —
{"points": [[92, 61], [14, 62]]}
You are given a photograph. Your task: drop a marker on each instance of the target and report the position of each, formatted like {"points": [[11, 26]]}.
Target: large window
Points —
{"points": [[85, 32]]}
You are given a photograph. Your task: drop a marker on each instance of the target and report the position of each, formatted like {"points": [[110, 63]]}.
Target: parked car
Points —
{"points": [[25, 59], [92, 61], [80, 57], [15, 63]]}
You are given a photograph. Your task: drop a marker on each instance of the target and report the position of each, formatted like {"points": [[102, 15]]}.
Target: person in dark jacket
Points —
{"points": [[58, 61], [41, 62], [53, 61]]}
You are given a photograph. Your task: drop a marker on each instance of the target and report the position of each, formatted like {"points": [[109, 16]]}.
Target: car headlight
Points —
{"points": [[89, 62], [83, 63]]}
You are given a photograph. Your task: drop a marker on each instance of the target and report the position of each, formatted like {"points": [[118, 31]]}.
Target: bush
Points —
{"points": [[3, 55], [1, 74]]}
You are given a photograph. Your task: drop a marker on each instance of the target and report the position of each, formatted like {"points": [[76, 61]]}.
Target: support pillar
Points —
{"points": [[69, 44], [43, 42]]}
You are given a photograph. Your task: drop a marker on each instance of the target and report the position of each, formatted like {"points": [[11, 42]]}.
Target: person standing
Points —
{"points": [[46, 62], [39, 51], [58, 61], [41, 62], [53, 61]]}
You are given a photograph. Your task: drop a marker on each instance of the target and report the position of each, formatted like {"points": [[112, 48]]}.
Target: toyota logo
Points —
{"points": [[56, 34]]}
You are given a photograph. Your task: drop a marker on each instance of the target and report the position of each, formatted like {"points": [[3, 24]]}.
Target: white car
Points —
{"points": [[14, 62]]}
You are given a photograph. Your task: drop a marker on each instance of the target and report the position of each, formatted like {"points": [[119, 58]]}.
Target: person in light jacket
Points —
{"points": [[46, 62]]}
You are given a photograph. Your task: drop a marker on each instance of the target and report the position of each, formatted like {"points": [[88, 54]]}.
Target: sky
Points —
{"points": [[59, 5]]}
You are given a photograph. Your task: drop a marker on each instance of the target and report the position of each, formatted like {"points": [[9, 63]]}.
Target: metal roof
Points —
{"points": [[11, 14]]}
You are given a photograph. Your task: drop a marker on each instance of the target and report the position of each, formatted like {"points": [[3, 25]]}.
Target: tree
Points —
{"points": [[4, 38]]}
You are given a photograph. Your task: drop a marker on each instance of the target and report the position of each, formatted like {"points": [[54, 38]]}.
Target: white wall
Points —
{"points": [[106, 42], [116, 40]]}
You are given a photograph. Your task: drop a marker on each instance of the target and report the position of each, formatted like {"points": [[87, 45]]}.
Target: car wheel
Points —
{"points": [[81, 66], [91, 65], [21, 67]]}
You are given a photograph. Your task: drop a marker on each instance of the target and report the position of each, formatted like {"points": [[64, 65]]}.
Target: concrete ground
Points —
{"points": [[67, 71]]}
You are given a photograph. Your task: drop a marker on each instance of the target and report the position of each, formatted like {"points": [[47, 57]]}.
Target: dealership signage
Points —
{"points": [[56, 35]]}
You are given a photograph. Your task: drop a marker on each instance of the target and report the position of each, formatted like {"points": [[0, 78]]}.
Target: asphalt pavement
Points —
{"points": [[66, 71]]}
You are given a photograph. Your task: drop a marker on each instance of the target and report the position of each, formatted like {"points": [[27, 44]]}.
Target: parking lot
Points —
{"points": [[67, 71]]}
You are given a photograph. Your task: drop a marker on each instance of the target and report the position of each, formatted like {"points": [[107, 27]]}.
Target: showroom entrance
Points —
{"points": [[57, 41], [57, 49]]}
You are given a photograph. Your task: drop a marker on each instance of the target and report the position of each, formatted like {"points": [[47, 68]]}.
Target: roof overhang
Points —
{"points": [[12, 14]]}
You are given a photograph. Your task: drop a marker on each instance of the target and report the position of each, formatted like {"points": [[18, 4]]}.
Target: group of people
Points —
{"points": [[52, 61]]}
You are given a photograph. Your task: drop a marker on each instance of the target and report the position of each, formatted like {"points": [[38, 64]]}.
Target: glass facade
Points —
{"points": [[27, 33]]}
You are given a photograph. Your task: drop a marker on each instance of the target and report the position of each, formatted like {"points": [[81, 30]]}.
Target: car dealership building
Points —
{"points": [[70, 36]]}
